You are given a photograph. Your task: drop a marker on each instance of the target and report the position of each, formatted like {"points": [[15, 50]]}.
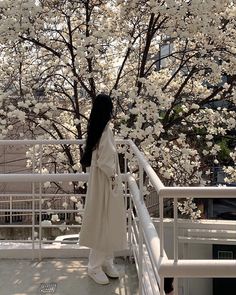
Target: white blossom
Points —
{"points": [[47, 184], [55, 217], [46, 222], [189, 208], [177, 109], [65, 205], [78, 219]]}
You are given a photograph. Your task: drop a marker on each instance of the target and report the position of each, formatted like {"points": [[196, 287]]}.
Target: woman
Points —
{"points": [[104, 222]]}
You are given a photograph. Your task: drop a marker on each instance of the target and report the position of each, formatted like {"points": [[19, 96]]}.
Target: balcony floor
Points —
{"points": [[24, 277]]}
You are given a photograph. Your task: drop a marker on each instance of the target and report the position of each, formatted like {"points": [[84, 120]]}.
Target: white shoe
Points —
{"points": [[110, 270], [98, 276]]}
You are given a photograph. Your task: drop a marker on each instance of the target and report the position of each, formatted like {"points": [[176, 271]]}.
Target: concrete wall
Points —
{"points": [[196, 286], [189, 251], [194, 250]]}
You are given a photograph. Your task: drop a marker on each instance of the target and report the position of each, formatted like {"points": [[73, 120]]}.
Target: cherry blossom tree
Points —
{"points": [[230, 170], [169, 66]]}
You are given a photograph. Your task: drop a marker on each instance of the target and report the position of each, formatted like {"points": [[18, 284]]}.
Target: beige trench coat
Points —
{"points": [[104, 221]]}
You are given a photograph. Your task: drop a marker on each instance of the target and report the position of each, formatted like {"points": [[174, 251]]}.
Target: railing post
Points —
{"points": [[130, 225], [141, 181], [140, 262], [176, 254], [40, 201], [176, 286], [175, 231], [125, 171], [162, 286], [10, 209], [33, 204], [129, 211], [161, 213]]}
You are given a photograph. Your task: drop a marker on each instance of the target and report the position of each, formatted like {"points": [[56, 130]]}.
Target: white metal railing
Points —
{"points": [[12, 203], [147, 246], [203, 231], [181, 268]]}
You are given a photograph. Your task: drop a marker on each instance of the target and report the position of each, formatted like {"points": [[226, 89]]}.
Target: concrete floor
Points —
{"points": [[69, 276]]}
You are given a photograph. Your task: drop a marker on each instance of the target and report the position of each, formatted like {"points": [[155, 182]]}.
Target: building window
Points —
{"points": [[16, 217], [225, 255]]}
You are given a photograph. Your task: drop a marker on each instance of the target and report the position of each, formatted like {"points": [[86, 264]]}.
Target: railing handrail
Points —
{"points": [[145, 219], [155, 180], [40, 141], [51, 141], [173, 192], [187, 268], [44, 177], [180, 268], [204, 268], [198, 192]]}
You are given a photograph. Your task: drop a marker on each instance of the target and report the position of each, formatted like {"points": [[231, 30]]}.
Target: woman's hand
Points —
{"points": [[113, 181]]}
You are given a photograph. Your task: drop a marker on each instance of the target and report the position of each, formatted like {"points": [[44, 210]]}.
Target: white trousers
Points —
{"points": [[98, 258]]}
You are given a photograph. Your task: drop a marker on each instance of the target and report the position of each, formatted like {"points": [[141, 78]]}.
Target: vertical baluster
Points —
{"points": [[162, 286], [161, 214], [140, 252], [11, 209], [141, 181], [40, 202], [176, 254], [33, 204]]}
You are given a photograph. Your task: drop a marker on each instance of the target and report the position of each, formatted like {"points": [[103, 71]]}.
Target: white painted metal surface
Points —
{"points": [[198, 268], [148, 249]]}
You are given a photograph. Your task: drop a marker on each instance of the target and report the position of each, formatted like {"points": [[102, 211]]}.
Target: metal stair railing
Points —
{"points": [[146, 244]]}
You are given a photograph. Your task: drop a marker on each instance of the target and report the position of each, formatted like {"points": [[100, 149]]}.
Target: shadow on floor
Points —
{"points": [[66, 276]]}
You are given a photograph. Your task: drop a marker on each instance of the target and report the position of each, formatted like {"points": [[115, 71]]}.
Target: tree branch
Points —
{"points": [[36, 42]]}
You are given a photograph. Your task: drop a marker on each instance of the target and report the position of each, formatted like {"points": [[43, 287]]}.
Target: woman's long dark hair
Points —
{"points": [[99, 117]]}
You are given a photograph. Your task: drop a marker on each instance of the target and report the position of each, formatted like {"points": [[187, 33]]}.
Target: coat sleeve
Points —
{"points": [[107, 154]]}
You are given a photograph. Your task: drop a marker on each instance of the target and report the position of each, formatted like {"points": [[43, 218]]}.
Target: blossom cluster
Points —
{"points": [[168, 65]]}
